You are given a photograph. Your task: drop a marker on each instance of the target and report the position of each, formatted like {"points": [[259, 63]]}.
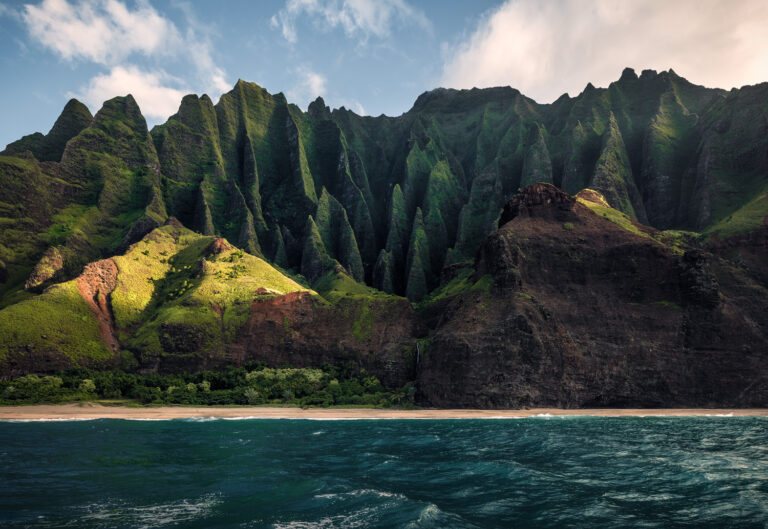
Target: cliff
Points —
{"points": [[578, 311], [432, 246]]}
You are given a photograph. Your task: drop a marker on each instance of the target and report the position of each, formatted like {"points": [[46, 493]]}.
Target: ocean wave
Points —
{"points": [[361, 492], [147, 516], [353, 520]]}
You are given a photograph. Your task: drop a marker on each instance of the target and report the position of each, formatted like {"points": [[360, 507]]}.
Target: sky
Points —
{"points": [[371, 56]]}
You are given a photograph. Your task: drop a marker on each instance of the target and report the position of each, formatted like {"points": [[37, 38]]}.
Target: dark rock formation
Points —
{"points": [[596, 315]]}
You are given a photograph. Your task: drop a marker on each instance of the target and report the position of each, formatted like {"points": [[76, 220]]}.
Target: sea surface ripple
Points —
{"points": [[670, 472]]}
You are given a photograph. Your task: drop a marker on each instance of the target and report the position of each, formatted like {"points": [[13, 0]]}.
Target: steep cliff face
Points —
{"points": [[570, 303], [113, 250], [375, 333], [579, 311], [408, 196]]}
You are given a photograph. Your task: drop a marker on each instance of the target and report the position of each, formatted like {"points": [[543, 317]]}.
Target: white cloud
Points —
{"points": [[101, 31], [156, 99], [198, 47], [112, 34], [548, 48], [309, 85], [357, 18], [355, 106]]}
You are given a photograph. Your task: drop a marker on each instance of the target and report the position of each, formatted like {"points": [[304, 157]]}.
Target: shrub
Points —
{"points": [[252, 396], [87, 386]]}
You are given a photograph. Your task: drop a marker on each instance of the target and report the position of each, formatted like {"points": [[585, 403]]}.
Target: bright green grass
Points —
{"points": [[58, 320], [462, 283], [745, 219], [613, 215], [232, 281], [334, 287], [146, 263], [163, 279]]}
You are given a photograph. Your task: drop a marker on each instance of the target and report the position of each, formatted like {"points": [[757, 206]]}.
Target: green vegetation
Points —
{"points": [[172, 296], [57, 322], [183, 300], [49, 148], [254, 384], [615, 216], [463, 282], [747, 218], [335, 287], [253, 168], [349, 202], [613, 174]]}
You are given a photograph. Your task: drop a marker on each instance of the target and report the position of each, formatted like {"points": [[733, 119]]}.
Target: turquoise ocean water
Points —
{"points": [[698, 472]]}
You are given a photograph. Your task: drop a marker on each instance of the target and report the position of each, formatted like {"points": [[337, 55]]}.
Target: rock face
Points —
{"points": [[296, 329], [581, 313], [45, 269], [96, 284], [569, 303]]}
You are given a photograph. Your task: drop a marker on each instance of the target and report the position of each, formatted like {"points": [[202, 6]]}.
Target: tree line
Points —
{"points": [[252, 384]]}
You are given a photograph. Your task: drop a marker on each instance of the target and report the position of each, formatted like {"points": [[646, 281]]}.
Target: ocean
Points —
{"points": [[544, 472]]}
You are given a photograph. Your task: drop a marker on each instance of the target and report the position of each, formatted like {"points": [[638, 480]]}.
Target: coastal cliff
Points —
{"points": [[608, 249]]}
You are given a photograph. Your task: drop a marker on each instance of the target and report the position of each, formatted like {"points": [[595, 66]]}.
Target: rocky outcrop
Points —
{"points": [[580, 312], [95, 284], [46, 268]]}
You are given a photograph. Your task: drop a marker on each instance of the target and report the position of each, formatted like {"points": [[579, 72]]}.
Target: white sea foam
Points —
{"points": [[146, 516], [361, 492], [200, 419], [360, 518]]}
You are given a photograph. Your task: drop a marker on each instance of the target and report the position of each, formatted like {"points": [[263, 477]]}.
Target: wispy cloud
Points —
{"points": [[198, 47], [104, 32], [113, 34], [308, 86], [360, 19], [354, 105], [152, 90], [311, 84], [548, 48]]}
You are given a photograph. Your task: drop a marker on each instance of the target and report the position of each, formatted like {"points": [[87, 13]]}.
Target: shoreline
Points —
{"points": [[86, 411]]}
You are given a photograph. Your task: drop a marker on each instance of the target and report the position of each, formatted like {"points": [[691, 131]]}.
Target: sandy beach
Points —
{"points": [[97, 411]]}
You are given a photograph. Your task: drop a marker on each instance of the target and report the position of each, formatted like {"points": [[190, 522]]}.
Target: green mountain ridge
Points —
{"points": [[478, 234], [253, 168]]}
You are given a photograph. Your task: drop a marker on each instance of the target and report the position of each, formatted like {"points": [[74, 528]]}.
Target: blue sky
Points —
{"points": [[372, 56]]}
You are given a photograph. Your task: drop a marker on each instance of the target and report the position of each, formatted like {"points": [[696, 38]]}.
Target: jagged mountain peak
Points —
{"points": [[253, 168], [74, 117], [628, 74]]}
